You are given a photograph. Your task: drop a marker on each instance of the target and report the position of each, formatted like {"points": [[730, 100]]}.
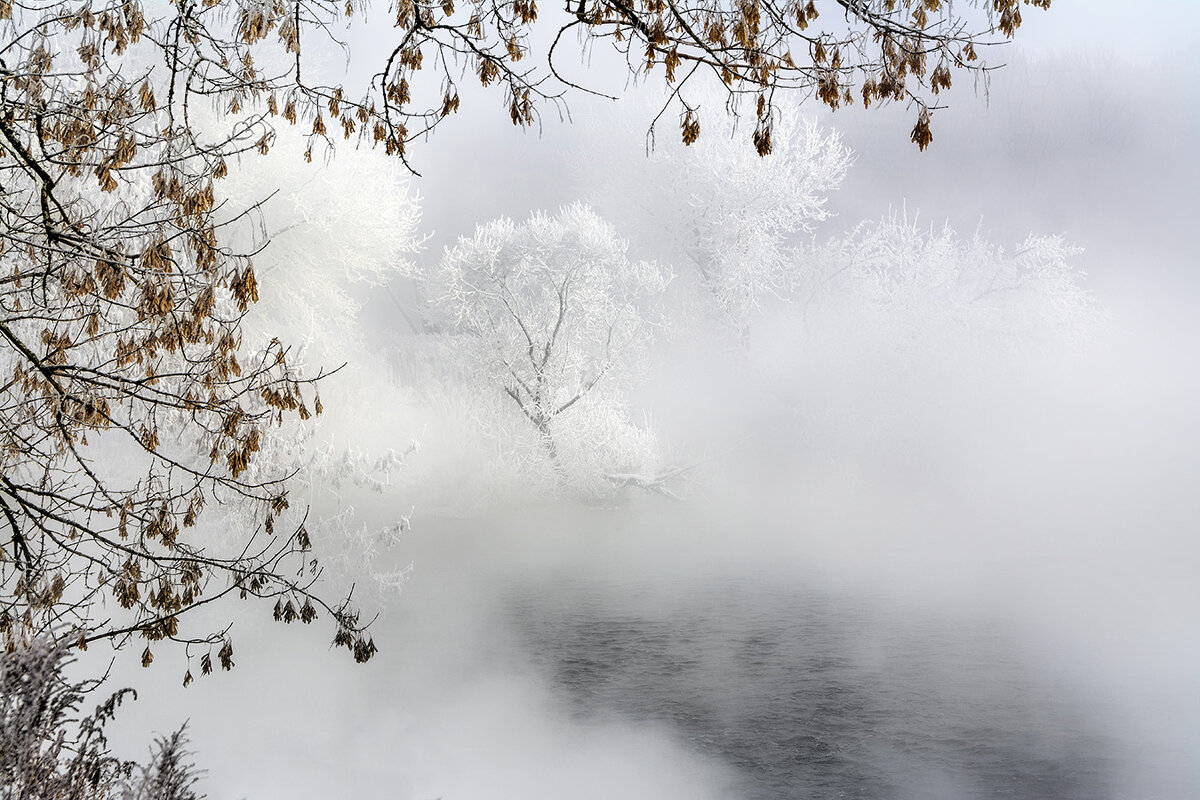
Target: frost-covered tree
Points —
{"points": [[552, 311], [899, 279], [716, 210], [328, 232]]}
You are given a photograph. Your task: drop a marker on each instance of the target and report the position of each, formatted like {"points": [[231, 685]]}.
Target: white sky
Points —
{"points": [[1134, 27]]}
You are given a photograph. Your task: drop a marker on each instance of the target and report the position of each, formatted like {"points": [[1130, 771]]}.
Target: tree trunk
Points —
{"points": [[543, 429]]}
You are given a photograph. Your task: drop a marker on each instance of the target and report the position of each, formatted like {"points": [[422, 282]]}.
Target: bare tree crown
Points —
{"points": [[130, 403]]}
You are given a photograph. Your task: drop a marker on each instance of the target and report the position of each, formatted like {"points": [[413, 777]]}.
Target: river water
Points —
{"points": [[805, 694], [660, 654], [772, 673]]}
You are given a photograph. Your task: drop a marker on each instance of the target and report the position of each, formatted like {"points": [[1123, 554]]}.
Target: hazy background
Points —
{"points": [[978, 570]]}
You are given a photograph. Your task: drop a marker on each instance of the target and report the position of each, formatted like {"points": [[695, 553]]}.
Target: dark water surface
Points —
{"points": [[808, 695], [608, 656]]}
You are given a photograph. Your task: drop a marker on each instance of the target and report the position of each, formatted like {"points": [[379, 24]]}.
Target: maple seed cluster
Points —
{"points": [[131, 405]]}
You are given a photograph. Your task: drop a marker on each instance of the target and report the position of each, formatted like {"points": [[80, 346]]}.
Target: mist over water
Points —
{"points": [[920, 568], [985, 593], [805, 693]]}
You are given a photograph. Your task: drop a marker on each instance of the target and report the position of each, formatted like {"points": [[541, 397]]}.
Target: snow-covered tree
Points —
{"points": [[329, 231], [717, 210], [904, 280], [553, 313]]}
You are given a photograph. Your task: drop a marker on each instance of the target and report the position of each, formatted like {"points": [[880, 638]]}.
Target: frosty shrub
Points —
{"points": [[50, 750]]}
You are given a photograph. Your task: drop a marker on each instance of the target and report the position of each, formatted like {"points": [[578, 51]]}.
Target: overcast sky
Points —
{"points": [[1135, 28]]}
